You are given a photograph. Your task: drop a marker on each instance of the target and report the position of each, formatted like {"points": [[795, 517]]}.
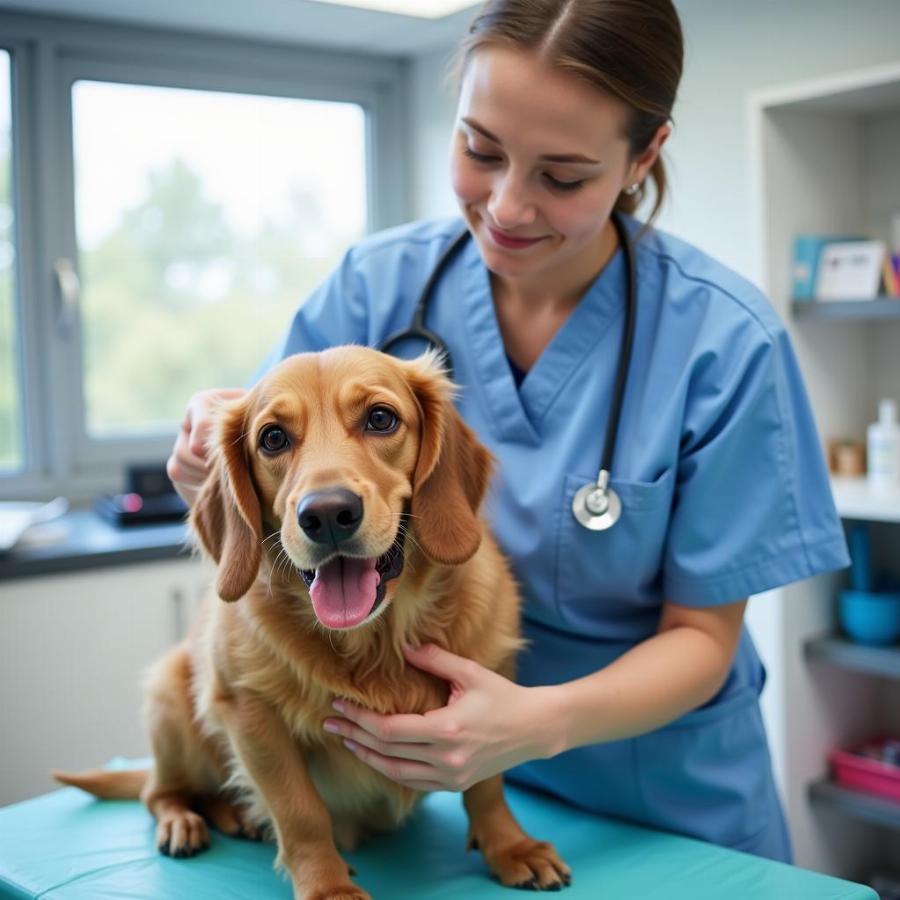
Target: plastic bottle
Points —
{"points": [[883, 448]]}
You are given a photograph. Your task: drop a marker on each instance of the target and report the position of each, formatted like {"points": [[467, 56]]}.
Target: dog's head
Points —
{"points": [[342, 453]]}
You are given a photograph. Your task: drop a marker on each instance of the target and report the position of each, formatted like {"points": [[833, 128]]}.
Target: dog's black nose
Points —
{"points": [[330, 516]]}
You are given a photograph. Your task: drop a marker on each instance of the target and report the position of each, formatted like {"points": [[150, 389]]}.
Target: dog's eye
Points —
{"points": [[382, 419], [273, 439]]}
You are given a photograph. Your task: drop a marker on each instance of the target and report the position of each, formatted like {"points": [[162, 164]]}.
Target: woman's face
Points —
{"points": [[538, 161]]}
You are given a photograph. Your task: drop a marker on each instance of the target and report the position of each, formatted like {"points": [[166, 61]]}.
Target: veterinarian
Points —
{"points": [[638, 695]]}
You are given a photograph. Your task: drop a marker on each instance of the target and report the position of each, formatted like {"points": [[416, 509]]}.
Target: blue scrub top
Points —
{"points": [[718, 465]]}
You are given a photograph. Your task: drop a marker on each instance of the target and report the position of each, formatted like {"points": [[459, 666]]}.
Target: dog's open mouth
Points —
{"points": [[345, 590]]}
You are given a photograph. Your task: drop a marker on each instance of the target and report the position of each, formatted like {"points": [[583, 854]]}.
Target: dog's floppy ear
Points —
{"points": [[452, 471], [227, 516]]}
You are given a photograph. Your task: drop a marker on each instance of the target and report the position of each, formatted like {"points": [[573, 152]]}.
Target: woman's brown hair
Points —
{"points": [[631, 49]]}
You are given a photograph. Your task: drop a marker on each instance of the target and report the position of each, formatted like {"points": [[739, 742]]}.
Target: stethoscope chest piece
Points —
{"points": [[596, 506]]}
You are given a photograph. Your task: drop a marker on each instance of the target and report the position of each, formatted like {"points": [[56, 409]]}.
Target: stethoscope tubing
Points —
{"points": [[417, 329], [612, 429], [592, 495]]}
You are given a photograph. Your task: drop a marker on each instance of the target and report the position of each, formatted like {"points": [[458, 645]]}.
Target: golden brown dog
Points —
{"points": [[342, 510]]}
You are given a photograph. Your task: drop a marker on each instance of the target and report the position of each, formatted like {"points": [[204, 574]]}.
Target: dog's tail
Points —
{"points": [[119, 784]]}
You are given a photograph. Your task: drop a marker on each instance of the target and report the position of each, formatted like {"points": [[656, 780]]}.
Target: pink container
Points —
{"points": [[863, 773]]}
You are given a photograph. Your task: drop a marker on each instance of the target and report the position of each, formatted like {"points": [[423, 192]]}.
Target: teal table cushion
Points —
{"points": [[68, 845]]}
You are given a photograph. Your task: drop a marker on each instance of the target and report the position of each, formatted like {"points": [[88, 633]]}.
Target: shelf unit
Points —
{"points": [[847, 310], [824, 162], [883, 662], [837, 651], [867, 807], [854, 499]]}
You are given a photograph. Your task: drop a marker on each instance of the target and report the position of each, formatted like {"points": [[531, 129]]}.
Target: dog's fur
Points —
{"points": [[235, 712]]}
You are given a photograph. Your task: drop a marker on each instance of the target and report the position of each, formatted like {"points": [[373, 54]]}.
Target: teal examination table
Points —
{"points": [[68, 845]]}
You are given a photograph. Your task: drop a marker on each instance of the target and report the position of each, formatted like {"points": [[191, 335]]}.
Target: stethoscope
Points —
{"points": [[596, 505]]}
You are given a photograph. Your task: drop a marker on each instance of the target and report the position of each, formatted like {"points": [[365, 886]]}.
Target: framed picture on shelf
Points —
{"points": [[805, 264], [850, 270], [842, 268]]}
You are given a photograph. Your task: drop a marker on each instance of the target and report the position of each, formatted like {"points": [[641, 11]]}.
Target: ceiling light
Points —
{"points": [[426, 9]]}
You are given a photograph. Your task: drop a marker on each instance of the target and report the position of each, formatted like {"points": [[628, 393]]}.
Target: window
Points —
{"points": [[10, 412], [176, 196], [202, 218]]}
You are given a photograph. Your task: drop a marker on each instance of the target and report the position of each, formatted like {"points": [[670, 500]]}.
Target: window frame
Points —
{"points": [[48, 55], [33, 383]]}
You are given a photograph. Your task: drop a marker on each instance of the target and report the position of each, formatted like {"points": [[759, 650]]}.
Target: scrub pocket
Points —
{"points": [[606, 578], [709, 775]]}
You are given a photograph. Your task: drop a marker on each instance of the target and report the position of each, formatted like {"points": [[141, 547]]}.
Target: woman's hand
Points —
{"points": [[188, 467], [489, 724]]}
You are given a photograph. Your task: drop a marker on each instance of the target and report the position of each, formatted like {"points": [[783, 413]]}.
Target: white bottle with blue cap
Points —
{"points": [[883, 448]]}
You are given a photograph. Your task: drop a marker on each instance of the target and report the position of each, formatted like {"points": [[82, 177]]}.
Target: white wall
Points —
{"points": [[432, 109], [733, 47]]}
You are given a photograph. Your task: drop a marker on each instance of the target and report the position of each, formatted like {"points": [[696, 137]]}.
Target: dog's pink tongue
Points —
{"points": [[343, 591]]}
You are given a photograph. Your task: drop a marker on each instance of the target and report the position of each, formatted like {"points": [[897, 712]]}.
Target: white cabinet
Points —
{"points": [[72, 651], [825, 161]]}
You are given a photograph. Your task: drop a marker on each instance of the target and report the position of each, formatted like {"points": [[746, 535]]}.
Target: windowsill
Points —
{"points": [[82, 540]]}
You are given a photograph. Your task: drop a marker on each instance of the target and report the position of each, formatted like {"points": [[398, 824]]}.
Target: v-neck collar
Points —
{"points": [[516, 414]]}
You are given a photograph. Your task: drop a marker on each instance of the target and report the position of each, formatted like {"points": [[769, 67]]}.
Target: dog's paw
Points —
{"points": [[182, 834], [248, 828], [251, 831], [233, 819], [340, 892], [529, 865], [324, 877]]}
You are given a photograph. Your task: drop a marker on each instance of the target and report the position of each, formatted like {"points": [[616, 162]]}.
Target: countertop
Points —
{"points": [[81, 539]]}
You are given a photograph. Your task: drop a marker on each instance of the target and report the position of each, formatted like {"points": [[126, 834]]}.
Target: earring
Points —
{"points": [[633, 189]]}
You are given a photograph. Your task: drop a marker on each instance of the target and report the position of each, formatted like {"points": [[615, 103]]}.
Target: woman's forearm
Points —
{"points": [[652, 684]]}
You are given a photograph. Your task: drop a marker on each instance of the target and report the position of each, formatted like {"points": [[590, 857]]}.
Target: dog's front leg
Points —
{"points": [[515, 858], [273, 760]]}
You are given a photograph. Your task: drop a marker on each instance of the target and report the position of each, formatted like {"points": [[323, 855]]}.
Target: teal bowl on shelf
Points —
{"points": [[869, 617]]}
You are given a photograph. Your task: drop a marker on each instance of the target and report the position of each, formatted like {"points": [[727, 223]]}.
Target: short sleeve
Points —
{"points": [[335, 313], [752, 508]]}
